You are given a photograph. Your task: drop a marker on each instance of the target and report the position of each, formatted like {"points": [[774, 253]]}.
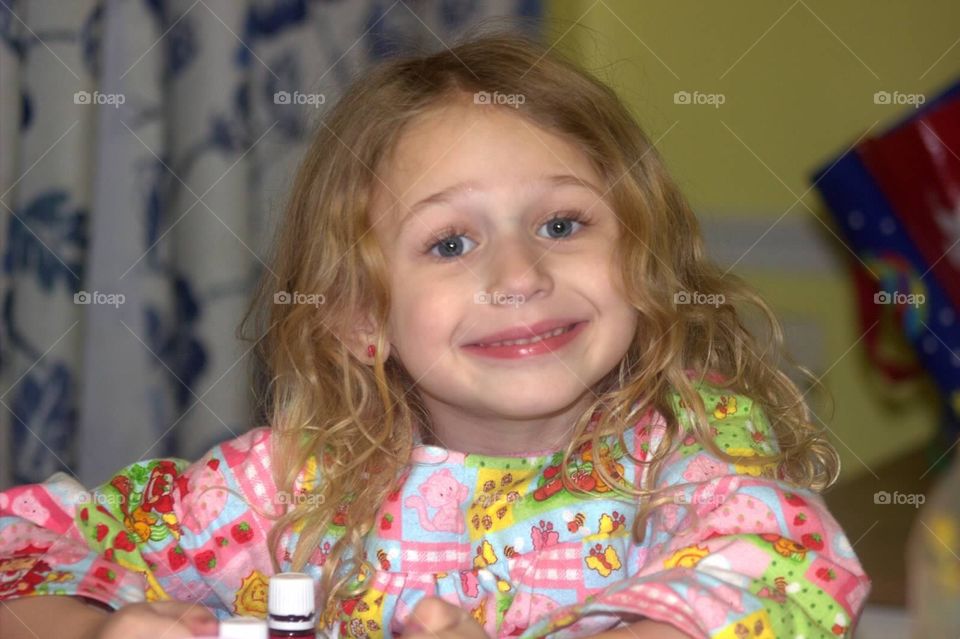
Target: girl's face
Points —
{"points": [[489, 223]]}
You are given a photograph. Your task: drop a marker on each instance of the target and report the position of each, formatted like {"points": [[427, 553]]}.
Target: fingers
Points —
{"points": [[200, 620], [195, 617], [434, 618], [432, 614]]}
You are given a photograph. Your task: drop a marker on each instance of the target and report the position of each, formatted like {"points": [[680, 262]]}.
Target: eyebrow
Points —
{"points": [[459, 190]]}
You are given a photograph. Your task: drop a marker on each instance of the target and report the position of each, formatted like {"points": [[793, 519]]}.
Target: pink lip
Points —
{"points": [[517, 351], [524, 332]]}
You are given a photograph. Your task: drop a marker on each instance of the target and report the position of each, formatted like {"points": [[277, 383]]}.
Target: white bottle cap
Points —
{"points": [[243, 628], [290, 601]]}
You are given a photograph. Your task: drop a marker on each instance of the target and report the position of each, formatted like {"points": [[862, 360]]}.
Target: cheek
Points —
{"points": [[600, 279], [593, 272], [424, 320]]}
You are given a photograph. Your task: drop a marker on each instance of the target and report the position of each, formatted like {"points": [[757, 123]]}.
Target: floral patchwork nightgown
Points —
{"points": [[499, 536]]}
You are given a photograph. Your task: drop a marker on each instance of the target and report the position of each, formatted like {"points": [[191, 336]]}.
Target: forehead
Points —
{"points": [[492, 146]]}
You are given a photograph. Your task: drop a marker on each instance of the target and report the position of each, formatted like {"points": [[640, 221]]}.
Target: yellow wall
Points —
{"points": [[798, 79]]}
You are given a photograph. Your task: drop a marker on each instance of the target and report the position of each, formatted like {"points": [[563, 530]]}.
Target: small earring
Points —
{"points": [[371, 350]]}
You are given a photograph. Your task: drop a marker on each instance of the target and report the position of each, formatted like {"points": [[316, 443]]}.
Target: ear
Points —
{"points": [[361, 336]]}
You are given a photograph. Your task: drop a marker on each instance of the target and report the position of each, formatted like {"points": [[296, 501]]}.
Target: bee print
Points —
{"points": [[382, 558], [576, 523]]}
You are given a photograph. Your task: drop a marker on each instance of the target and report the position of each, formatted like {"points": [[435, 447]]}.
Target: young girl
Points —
{"points": [[508, 396]]}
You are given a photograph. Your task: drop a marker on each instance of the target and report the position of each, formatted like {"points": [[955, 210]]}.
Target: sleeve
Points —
{"points": [[763, 559], [158, 529]]}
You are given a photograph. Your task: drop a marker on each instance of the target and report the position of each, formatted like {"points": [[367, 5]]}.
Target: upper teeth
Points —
{"points": [[530, 340]]}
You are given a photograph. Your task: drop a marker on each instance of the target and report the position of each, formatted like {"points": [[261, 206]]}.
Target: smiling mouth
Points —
{"points": [[529, 340]]}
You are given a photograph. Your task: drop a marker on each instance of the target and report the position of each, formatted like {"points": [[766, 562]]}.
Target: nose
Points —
{"points": [[519, 271]]}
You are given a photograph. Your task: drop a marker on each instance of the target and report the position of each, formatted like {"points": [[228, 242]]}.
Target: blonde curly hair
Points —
{"points": [[359, 422]]}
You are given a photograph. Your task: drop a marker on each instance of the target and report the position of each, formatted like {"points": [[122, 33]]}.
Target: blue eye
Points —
{"points": [[450, 241], [553, 223], [449, 245]]}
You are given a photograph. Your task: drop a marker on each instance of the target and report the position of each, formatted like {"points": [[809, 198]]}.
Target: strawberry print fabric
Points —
{"points": [[497, 535]]}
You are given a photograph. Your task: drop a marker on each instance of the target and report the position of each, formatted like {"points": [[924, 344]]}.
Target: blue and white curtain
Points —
{"points": [[144, 157]]}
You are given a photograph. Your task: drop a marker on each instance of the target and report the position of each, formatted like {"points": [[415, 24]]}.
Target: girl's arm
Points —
{"points": [[71, 618], [764, 558], [435, 618], [63, 617], [158, 530]]}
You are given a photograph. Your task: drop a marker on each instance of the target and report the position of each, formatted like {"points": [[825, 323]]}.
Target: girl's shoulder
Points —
{"points": [[725, 407], [717, 400], [737, 422], [243, 461]]}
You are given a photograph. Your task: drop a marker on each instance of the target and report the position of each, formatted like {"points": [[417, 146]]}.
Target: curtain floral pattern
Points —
{"points": [[146, 147]]}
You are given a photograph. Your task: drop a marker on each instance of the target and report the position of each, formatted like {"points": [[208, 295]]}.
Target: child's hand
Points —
{"points": [[149, 620], [434, 618]]}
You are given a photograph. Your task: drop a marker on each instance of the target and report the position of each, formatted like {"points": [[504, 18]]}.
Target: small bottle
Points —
{"points": [[243, 628], [933, 569], [290, 606]]}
